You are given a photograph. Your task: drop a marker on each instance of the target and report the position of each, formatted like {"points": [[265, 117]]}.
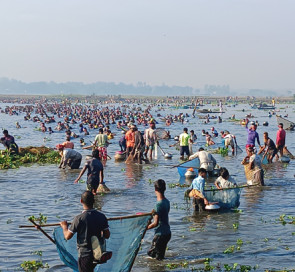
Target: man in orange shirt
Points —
{"points": [[130, 140]]}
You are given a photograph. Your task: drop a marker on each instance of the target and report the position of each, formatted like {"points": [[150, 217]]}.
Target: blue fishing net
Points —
{"points": [[227, 198], [195, 163], [126, 236]]}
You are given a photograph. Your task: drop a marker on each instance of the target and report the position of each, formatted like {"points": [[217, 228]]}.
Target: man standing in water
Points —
{"points": [[183, 142], [252, 135], [90, 225], [95, 172], [281, 139], [101, 142], [150, 140], [160, 222]]}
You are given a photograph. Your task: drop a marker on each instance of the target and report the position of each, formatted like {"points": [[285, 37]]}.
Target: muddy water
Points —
{"points": [[266, 241]]}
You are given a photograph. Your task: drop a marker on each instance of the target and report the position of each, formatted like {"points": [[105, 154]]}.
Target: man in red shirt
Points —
{"points": [[281, 139]]}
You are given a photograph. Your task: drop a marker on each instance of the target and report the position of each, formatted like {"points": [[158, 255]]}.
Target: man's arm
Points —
{"points": [[106, 233], [154, 223], [81, 173], [61, 161], [67, 234], [101, 176]]}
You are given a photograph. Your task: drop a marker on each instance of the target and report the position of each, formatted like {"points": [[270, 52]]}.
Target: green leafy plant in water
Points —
{"points": [[229, 250], [33, 266], [207, 265], [222, 151], [41, 220], [236, 225]]}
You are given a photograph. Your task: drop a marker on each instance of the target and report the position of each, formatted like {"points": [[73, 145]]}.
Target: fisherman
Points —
{"points": [[9, 143], [254, 161], [160, 222], [139, 145], [95, 172], [192, 140], [214, 132], [129, 136], [69, 157], [281, 139], [252, 135], [183, 142], [122, 142], [101, 143], [207, 161], [229, 140], [209, 140], [225, 180], [269, 148], [197, 190], [150, 138], [91, 225], [68, 143]]}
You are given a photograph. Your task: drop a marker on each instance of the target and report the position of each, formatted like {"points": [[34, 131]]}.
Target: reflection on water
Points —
{"points": [[51, 191]]}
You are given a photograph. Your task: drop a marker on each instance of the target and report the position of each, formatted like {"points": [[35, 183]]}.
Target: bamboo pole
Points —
{"points": [[109, 219], [40, 228]]}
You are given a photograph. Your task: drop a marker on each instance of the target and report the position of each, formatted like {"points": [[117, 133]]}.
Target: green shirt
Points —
{"points": [[183, 139], [101, 140], [162, 209]]}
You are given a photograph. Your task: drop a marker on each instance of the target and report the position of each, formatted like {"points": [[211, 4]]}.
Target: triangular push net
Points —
{"points": [[126, 235]]}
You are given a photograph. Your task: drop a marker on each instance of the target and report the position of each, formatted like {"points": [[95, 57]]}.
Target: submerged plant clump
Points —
{"points": [[40, 155]]}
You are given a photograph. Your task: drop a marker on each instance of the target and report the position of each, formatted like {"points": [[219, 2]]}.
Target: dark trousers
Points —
{"points": [[198, 204], [75, 164], [159, 245], [184, 149], [85, 264]]}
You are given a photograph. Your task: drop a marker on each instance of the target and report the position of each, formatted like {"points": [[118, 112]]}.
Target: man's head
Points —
{"points": [[95, 154], [185, 130], [192, 132], [202, 172], [280, 126], [201, 149], [100, 131], [160, 186], [5, 132], [87, 198], [265, 134], [133, 127], [152, 124], [68, 138], [224, 173]]}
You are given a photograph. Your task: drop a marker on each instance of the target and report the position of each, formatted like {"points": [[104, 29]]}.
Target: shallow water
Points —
{"points": [[266, 241]]}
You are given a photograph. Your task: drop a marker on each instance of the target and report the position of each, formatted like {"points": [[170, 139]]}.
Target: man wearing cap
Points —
{"points": [[184, 143], [281, 138], [252, 135], [69, 157], [129, 140]]}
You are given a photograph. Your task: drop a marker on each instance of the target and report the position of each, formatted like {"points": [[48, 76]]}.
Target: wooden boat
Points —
{"points": [[287, 124], [266, 107], [209, 111]]}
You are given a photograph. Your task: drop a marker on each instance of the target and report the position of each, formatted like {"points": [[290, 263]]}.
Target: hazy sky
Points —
{"points": [[244, 43]]}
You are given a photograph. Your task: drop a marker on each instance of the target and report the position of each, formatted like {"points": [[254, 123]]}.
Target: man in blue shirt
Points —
{"points": [[197, 190], [160, 222]]}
